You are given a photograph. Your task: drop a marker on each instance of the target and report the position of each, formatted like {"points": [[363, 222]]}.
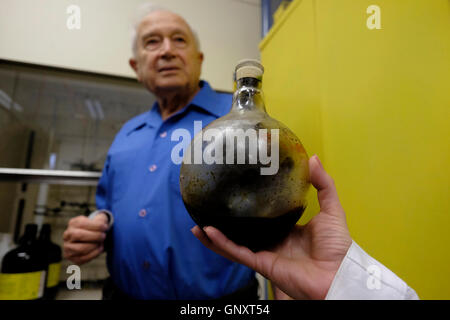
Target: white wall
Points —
{"points": [[35, 31]]}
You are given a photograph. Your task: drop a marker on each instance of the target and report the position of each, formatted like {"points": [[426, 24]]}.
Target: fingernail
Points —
{"points": [[318, 161]]}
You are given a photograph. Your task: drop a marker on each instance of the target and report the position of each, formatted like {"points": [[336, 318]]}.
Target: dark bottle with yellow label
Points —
{"points": [[23, 269], [52, 253]]}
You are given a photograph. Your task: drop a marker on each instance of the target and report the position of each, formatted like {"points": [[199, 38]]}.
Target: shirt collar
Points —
{"points": [[206, 99]]}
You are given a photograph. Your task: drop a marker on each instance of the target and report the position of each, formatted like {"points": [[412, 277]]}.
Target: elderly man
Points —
{"points": [[151, 252]]}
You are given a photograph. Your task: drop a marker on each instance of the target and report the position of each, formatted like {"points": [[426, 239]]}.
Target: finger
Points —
{"points": [[79, 249], [227, 247], [279, 294], [88, 257], [82, 235], [326, 189], [83, 222], [215, 240], [101, 218], [202, 236]]}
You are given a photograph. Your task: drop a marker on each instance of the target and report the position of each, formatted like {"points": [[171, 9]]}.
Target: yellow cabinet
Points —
{"points": [[366, 86]]}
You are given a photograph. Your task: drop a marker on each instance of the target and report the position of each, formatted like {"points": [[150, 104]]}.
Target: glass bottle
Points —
{"points": [[24, 269], [246, 173], [53, 255]]}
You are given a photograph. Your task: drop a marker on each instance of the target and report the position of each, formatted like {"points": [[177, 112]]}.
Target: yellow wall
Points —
{"points": [[375, 106]]}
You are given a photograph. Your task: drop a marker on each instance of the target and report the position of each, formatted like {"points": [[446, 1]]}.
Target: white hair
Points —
{"points": [[142, 12]]}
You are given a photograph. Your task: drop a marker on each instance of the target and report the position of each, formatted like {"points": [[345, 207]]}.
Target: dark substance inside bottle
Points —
{"points": [[241, 193], [256, 233]]}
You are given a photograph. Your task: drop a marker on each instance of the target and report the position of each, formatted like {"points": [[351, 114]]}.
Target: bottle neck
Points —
{"points": [[249, 82], [28, 237], [45, 233], [44, 236], [248, 95]]}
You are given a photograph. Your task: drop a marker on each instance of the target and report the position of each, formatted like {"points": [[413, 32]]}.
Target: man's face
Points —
{"points": [[167, 58]]}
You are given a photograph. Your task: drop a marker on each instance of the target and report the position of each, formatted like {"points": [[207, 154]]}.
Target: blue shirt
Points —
{"points": [[153, 254]]}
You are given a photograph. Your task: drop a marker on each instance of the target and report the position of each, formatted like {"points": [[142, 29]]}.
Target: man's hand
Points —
{"points": [[303, 266], [84, 237]]}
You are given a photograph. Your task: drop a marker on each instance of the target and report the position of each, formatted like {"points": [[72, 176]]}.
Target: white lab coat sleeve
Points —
{"points": [[361, 277]]}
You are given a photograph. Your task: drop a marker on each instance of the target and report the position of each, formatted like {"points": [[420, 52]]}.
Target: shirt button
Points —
{"points": [[152, 168], [163, 135], [146, 265], [143, 213]]}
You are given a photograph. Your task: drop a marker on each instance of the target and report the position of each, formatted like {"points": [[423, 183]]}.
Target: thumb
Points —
{"points": [[326, 190], [101, 218]]}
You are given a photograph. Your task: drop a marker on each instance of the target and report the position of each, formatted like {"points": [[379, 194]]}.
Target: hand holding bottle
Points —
{"points": [[303, 266], [84, 237]]}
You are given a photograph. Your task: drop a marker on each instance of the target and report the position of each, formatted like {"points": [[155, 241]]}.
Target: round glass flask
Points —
{"points": [[246, 173]]}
